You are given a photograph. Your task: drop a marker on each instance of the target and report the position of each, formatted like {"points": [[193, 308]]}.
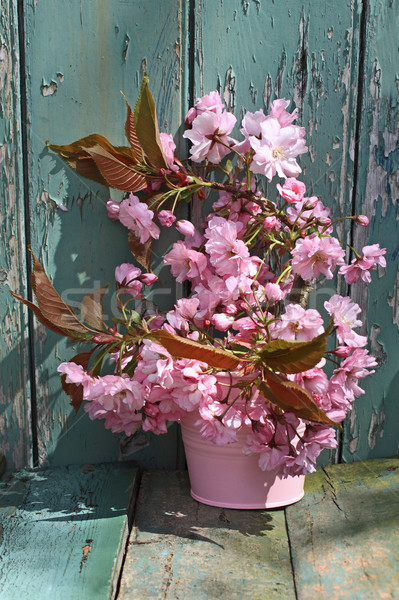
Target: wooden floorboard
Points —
{"points": [[63, 531], [180, 549], [344, 534]]}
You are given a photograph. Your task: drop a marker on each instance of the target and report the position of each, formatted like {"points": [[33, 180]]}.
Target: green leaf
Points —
{"points": [[146, 126], [186, 348], [288, 356], [135, 317]]}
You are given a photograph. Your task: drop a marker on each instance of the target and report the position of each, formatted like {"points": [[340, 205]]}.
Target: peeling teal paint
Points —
{"points": [[77, 61]]}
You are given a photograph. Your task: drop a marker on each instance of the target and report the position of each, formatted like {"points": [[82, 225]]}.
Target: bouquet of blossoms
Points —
{"points": [[241, 350]]}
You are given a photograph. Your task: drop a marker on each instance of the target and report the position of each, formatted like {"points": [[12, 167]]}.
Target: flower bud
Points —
{"points": [[166, 218], [342, 351], [185, 228], [148, 278], [113, 210], [362, 220]]}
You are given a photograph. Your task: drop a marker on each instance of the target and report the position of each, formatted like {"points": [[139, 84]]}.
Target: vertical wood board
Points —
{"points": [[373, 428], [79, 57], [254, 52], [15, 426]]}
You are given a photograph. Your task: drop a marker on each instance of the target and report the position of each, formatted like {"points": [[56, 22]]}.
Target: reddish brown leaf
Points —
{"points": [[75, 391], [78, 157], [52, 307], [39, 316], [186, 348], [289, 396], [92, 310], [141, 252], [117, 174], [130, 131]]}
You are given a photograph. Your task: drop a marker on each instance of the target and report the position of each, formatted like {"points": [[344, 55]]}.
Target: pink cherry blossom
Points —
{"points": [[292, 191], [137, 217], [250, 127], [210, 102], [297, 323], [226, 253], [210, 136], [273, 292], [278, 111], [277, 149], [314, 256], [353, 368], [373, 256], [316, 438], [116, 399], [168, 147], [185, 263], [166, 218], [308, 210], [126, 277], [75, 374], [345, 314]]}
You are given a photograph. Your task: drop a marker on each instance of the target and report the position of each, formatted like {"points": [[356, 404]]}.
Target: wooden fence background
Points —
{"points": [[62, 66]]}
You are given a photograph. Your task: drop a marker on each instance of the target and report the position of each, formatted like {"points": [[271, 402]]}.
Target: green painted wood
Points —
{"points": [[344, 534], [63, 531], [15, 436], [372, 431], [79, 56], [180, 549], [254, 52]]}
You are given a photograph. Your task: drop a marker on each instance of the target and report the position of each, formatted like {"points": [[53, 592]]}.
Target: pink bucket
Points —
{"points": [[223, 476]]}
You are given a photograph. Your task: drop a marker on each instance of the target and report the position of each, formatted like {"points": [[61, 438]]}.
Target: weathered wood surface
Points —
{"points": [[63, 531], [372, 430], [79, 55], [344, 534], [15, 425], [337, 61], [180, 549], [255, 52]]}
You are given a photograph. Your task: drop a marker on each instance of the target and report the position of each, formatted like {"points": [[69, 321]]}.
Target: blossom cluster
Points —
{"points": [[247, 267]]}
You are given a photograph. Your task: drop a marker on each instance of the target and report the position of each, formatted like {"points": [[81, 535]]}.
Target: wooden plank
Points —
{"points": [[372, 431], [79, 56], [180, 549], [344, 534], [15, 429], [254, 52], [63, 531]]}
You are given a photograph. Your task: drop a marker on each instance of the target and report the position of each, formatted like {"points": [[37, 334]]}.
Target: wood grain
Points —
{"points": [[344, 534], [255, 52], [180, 549], [372, 430], [80, 55], [15, 426], [63, 531]]}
